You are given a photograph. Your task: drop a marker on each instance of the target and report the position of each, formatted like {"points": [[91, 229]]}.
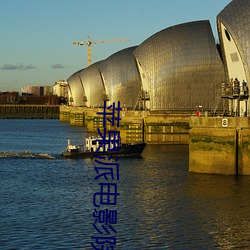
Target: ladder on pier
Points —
{"points": [[217, 101]]}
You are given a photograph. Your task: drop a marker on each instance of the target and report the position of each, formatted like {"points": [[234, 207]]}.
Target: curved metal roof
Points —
{"points": [[181, 67], [121, 77], [76, 91], [93, 85]]}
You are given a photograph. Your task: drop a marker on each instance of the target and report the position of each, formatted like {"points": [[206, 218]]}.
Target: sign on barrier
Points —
{"points": [[224, 123]]}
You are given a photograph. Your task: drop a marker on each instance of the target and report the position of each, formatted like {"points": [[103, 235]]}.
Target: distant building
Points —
{"points": [[40, 100], [60, 88], [38, 95], [37, 90], [9, 97], [47, 90], [30, 90]]}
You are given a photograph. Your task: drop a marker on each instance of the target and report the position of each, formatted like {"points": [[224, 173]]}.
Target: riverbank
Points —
{"points": [[25, 111]]}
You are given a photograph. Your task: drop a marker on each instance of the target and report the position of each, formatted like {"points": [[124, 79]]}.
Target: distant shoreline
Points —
{"points": [[24, 111]]}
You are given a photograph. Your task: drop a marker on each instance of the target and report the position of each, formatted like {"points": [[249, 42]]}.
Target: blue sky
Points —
{"points": [[36, 35]]}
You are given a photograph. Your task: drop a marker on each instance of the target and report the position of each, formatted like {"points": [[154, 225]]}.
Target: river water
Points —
{"points": [[47, 202]]}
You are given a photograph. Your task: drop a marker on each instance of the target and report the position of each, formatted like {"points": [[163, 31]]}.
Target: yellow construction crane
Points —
{"points": [[89, 43]]}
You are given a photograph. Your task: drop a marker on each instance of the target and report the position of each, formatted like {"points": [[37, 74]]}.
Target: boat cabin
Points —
{"points": [[93, 143], [72, 148]]}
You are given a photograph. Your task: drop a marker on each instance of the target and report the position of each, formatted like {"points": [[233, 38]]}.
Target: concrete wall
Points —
{"points": [[219, 145], [64, 114], [216, 145], [134, 125], [167, 129]]}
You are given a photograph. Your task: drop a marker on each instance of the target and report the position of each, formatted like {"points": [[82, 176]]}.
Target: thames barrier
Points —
{"points": [[172, 76], [219, 145], [134, 126]]}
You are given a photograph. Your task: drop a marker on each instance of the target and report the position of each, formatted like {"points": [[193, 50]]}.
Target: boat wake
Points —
{"points": [[26, 154]]}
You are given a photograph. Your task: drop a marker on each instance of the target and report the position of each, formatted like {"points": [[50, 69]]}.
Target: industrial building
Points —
{"points": [[9, 97], [37, 90], [178, 69], [40, 95], [60, 89]]}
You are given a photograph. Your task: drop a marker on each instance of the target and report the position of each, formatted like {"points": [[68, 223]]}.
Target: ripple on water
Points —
{"points": [[48, 204]]}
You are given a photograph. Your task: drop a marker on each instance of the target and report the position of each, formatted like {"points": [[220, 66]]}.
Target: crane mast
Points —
{"points": [[89, 43]]}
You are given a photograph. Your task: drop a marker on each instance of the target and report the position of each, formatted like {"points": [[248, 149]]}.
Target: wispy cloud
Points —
{"points": [[21, 66], [57, 66]]}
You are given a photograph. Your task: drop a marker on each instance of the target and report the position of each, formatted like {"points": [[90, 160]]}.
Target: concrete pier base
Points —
{"points": [[64, 114], [219, 145], [135, 126]]}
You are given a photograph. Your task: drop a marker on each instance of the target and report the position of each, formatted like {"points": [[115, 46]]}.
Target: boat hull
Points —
{"points": [[126, 150]]}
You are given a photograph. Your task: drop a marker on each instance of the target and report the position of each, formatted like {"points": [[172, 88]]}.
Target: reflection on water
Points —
{"points": [[223, 201], [171, 208], [48, 204]]}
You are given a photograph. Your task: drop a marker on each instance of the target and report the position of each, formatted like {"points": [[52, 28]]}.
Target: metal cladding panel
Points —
{"points": [[182, 67], [236, 18], [121, 77], [93, 85], [76, 89]]}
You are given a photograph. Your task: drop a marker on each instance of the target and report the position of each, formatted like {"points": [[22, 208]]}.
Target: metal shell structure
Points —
{"points": [[234, 32], [180, 67], [75, 89], [121, 78], [93, 85]]}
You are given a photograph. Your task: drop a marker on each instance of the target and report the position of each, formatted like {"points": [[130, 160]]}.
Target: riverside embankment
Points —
{"points": [[26, 111]]}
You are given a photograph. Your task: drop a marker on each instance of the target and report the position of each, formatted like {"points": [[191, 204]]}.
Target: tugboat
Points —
{"points": [[95, 146]]}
